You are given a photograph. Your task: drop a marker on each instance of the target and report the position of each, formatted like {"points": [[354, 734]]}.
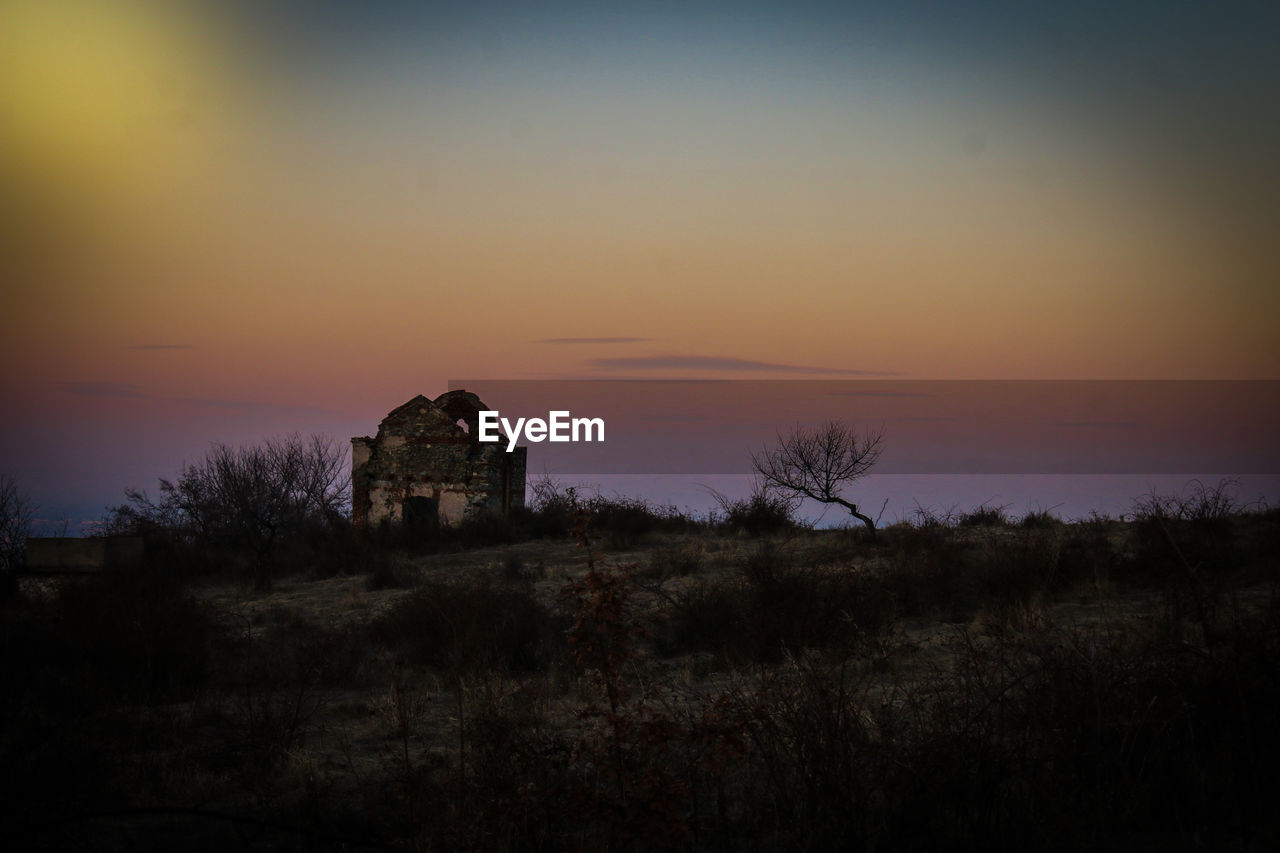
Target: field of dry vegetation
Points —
{"points": [[607, 675]]}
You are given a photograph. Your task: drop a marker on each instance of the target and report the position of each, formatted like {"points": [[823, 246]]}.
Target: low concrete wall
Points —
{"points": [[64, 554]]}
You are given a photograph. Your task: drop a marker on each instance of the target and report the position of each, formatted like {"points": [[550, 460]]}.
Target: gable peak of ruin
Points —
{"points": [[426, 466]]}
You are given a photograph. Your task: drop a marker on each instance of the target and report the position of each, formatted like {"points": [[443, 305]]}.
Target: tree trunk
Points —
{"points": [[853, 510]]}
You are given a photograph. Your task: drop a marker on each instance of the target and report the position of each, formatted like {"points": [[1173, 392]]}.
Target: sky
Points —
{"points": [[224, 221]]}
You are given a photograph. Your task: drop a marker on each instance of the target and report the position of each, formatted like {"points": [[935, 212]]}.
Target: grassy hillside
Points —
{"points": [[651, 682]]}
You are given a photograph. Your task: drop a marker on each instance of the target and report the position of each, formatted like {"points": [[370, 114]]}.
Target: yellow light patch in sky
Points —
{"points": [[102, 100]]}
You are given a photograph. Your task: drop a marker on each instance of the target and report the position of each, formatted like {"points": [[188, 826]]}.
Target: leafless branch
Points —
{"points": [[16, 511], [818, 462]]}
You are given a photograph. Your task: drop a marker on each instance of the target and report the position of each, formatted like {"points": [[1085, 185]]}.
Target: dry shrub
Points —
{"points": [[776, 607], [389, 570], [1044, 738], [82, 673], [761, 513], [134, 636], [985, 516], [674, 560], [512, 781], [1190, 532], [471, 627]]}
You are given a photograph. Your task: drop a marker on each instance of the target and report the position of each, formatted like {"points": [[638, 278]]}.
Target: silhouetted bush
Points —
{"points": [[761, 513], [389, 570], [246, 501], [926, 571], [518, 781], [673, 560], [275, 679], [548, 522], [928, 518], [471, 627], [291, 650], [72, 666], [711, 616], [477, 714], [1052, 738], [622, 522], [777, 608], [1039, 519], [482, 530], [1181, 534], [985, 516], [1087, 554], [16, 511], [135, 636], [1014, 571]]}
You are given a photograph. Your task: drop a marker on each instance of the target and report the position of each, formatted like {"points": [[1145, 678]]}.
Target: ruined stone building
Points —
{"points": [[426, 466]]}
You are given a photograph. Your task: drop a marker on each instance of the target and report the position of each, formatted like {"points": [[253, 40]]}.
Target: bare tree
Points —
{"points": [[247, 498], [16, 511], [818, 462], [325, 479]]}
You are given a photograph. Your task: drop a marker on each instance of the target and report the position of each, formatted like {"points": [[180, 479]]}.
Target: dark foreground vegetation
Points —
{"points": [[601, 674]]}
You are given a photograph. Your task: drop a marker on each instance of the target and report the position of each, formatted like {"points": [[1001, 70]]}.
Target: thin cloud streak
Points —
{"points": [[711, 362], [880, 394], [593, 340]]}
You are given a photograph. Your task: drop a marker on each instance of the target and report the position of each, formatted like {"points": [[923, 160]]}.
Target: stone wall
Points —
{"points": [[427, 450]]}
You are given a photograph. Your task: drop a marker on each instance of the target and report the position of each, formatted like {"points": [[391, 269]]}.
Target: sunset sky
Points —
{"points": [[223, 221]]}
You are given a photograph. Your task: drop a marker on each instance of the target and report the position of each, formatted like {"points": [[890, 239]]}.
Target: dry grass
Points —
{"points": [[991, 684]]}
